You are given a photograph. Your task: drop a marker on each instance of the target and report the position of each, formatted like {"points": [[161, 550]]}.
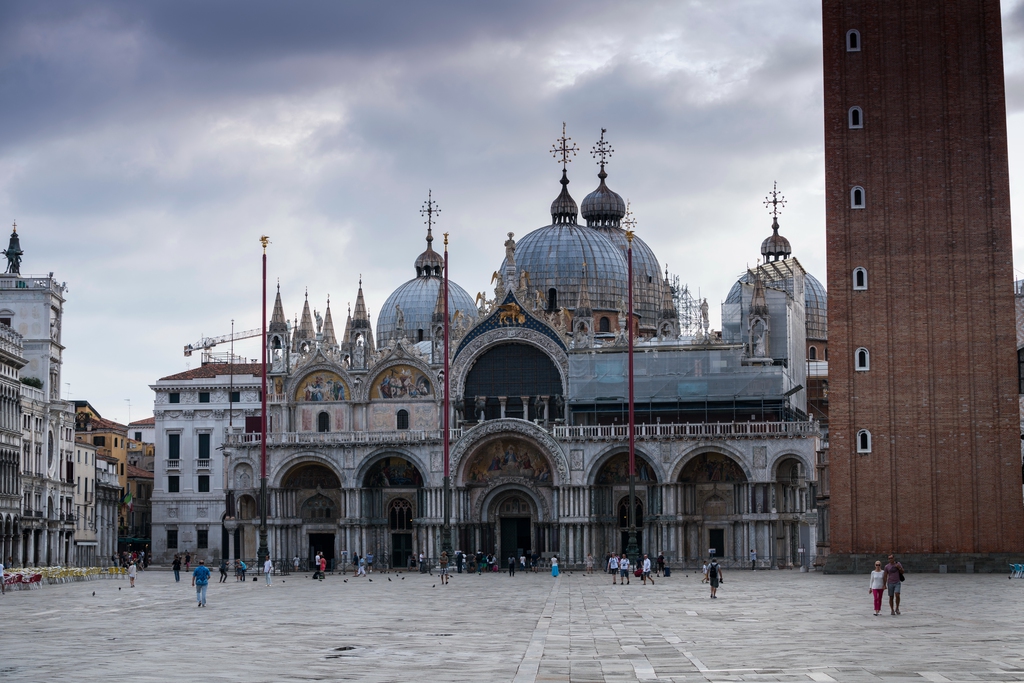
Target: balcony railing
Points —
{"points": [[697, 430], [712, 430], [203, 464], [173, 464]]}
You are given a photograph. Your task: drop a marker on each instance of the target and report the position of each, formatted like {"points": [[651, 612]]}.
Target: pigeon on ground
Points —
{"points": [[389, 579], [118, 588], [346, 580], [434, 586], [94, 594], [371, 580], [403, 578]]}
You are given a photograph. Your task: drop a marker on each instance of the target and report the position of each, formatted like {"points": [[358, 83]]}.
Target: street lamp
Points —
{"points": [[263, 553]]}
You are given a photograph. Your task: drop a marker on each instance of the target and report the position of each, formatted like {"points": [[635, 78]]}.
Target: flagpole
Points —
{"points": [[632, 550], [263, 551], [446, 534]]}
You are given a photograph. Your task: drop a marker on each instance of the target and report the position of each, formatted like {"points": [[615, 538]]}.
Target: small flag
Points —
{"points": [[127, 500]]}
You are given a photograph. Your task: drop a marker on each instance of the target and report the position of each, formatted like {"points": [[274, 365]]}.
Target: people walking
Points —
{"points": [[442, 563], [188, 560], [613, 567], [714, 576], [877, 586], [323, 567], [894, 580], [511, 565], [223, 570], [645, 575], [590, 563], [361, 571], [753, 559], [554, 567], [268, 569], [661, 563], [201, 580], [243, 567], [3, 586], [176, 568], [132, 571], [369, 562], [624, 569], [704, 573], [295, 564]]}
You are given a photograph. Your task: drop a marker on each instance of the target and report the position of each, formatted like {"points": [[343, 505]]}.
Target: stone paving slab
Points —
{"points": [[767, 626]]}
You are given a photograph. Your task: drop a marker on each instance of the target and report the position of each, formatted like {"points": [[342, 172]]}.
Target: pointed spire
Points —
{"points": [[306, 329], [758, 301], [583, 307], [360, 314], [668, 306], [277, 319], [347, 336], [329, 337], [361, 319], [563, 209], [438, 315]]}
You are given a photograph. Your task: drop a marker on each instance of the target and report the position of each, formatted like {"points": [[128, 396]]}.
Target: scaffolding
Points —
{"points": [[687, 307]]}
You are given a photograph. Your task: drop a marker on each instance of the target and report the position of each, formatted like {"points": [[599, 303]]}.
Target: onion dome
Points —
{"points": [[417, 298], [775, 246], [563, 209], [603, 206]]}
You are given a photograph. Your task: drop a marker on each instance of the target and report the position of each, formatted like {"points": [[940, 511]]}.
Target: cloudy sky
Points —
{"points": [[146, 146]]}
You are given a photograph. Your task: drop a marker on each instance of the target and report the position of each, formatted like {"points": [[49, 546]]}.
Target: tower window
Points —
{"points": [[419, 335], [402, 419], [323, 422], [863, 441], [604, 325], [856, 117], [812, 353], [863, 358], [860, 278], [857, 197], [552, 299], [853, 40]]}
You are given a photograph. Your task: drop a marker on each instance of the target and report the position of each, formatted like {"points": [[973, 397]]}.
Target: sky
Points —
{"points": [[145, 147]]}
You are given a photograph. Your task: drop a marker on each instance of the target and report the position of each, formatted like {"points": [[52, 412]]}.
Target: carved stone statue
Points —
{"points": [[510, 249], [538, 301], [524, 284], [559, 406], [480, 408], [359, 354], [399, 318], [319, 321], [499, 286], [704, 315], [482, 303], [759, 347]]}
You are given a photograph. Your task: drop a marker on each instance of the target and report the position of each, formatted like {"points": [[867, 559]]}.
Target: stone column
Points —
{"points": [[526, 406], [502, 400]]}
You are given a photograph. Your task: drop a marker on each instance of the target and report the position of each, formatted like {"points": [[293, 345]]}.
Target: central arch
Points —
{"points": [[392, 498], [310, 493]]}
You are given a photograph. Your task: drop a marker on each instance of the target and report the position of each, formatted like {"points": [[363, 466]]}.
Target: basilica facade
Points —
{"points": [[725, 450]]}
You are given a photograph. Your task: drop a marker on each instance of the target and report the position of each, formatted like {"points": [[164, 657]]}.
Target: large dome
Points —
{"points": [[417, 299], [815, 304], [647, 282], [554, 257]]}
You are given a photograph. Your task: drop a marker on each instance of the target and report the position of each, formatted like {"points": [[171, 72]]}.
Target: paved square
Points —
{"points": [[767, 626]]}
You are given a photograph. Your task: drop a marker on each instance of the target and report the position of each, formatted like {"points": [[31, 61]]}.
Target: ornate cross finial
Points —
{"points": [[774, 201], [629, 221], [429, 210], [563, 149], [360, 280], [602, 150], [15, 226], [264, 240]]}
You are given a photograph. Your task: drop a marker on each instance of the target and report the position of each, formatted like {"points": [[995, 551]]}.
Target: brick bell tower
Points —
{"points": [[924, 424]]}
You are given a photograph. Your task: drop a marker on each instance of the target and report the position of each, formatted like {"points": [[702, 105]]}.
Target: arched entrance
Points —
{"points": [[789, 500], [714, 494], [515, 517], [611, 501], [313, 491], [392, 496]]}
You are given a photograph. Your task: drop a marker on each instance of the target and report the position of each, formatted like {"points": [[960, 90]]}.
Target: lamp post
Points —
{"points": [[632, 550], [446, 529], [263, 553]]}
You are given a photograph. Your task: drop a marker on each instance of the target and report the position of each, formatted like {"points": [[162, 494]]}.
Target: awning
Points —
{"points": [[86, 543]]}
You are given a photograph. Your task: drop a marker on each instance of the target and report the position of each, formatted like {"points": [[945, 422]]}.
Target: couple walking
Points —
{"points": [[888, 578]]}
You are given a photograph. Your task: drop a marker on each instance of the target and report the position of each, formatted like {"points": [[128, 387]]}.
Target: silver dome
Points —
{"points": [[647, 277], [417, 297], [554, 257]]}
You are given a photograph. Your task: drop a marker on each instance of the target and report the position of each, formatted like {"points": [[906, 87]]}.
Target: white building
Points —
{"points": [[108, 497], [193, 412], [11, 362], [86, 540]]}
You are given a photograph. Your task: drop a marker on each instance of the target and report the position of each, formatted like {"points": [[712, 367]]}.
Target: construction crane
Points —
{"points": [[207, 343]]}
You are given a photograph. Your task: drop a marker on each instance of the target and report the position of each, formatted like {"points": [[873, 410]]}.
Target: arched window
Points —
{"points": [[603, 325], [638, 513], [857, 197], [853, 40], [812, 353], [826, 353], [856, 117], [323, 422], [402, 419], [863, 441], [552, 299], [863, 359], [419, 335], [860, 278], [400, 515]]}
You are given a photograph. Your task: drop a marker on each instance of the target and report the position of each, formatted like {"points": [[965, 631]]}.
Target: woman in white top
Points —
{"points": [[131, 575], [877, 586]]}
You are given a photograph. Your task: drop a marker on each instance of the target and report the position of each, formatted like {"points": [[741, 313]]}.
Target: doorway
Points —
{"points": [[515, 537], [324, 544], [716, 540], [639, 541], [401, 549]]}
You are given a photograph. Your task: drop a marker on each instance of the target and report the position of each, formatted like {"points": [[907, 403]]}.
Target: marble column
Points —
{"points": [[502, 400]]}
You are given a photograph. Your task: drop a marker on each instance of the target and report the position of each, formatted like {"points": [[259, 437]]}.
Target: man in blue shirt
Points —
{"points": [[201, 579]]}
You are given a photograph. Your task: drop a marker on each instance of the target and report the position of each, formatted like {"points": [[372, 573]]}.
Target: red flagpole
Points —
{"points": [[263, 552], [446, 541]]}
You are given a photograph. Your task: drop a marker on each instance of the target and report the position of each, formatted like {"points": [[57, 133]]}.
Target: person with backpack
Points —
{"points": [[613, 567], [714, 576], [201, 579], [223, 570]]}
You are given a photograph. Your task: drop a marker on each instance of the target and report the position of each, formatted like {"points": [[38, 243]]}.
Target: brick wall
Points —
{"points": [[940, 398]]}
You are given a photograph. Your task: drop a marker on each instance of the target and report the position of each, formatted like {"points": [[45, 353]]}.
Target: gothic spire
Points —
{"points": [[329, 337], [277, 319], [583, 307]]}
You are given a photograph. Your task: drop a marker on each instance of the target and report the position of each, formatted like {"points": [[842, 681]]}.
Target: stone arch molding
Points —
{"points": [[775, 460], [743, 460], [287, 464], [362, 393], [468, 356], [299, 377], [612, 451], [507, 485], [506, 427], [370, 460]]}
